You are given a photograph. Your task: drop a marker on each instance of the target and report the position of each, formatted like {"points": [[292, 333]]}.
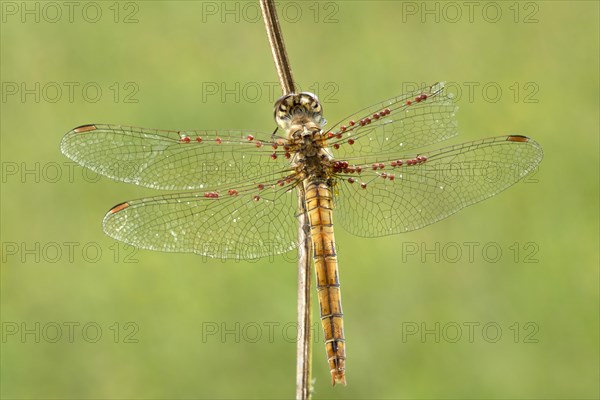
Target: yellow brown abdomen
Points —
{"points": [[319, 206]]}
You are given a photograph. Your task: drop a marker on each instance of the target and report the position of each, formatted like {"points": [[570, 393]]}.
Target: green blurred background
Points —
{"points": [[155, 310]]}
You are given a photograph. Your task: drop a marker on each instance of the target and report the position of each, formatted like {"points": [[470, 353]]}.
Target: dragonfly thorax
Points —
{"points": [[299, 109]]}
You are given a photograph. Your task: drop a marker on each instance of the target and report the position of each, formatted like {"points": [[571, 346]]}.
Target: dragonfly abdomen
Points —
{"points": [[319, 206]]}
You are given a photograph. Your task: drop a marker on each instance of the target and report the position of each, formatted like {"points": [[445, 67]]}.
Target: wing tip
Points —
{"points": [[65, 142]]}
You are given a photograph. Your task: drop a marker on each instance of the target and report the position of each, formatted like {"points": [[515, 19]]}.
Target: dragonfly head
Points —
{"points": [[302, 109]]}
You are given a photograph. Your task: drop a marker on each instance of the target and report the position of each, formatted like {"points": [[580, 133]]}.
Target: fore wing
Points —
{"points": [[398, 125], [173, 160]]}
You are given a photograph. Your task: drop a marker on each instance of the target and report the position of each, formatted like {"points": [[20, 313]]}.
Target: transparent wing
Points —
{"points": [[173, 160], [407, 122], [247, 223], [402, 195]]}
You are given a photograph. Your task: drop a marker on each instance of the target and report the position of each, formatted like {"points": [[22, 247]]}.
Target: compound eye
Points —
{"points": [[280, 104]]}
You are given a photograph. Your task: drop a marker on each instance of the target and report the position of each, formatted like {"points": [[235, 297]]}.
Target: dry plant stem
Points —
{"points": [[304, 345], [280, 57]]}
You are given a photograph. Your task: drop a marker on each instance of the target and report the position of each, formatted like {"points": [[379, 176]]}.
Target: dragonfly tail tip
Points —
{"points": [[338, 377]]}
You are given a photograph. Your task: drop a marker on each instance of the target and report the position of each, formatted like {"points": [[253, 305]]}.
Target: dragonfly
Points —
{"points": [[234, 193]]}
